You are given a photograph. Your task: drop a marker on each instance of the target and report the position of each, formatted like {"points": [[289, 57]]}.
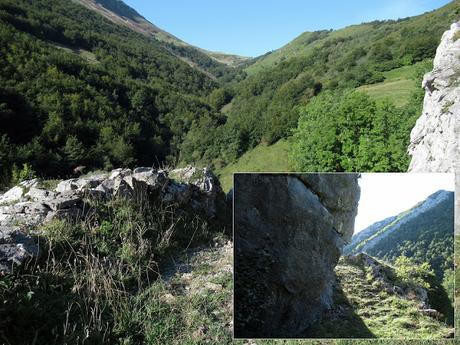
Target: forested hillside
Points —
{"points": [[425, 233], [76, 89], [217, 65]]}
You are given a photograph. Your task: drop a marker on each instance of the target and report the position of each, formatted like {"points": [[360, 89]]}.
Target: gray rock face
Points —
{"points": [[336, 198], [27, 205], [289, 233], [15, 248], [435, 138], [434, 143]]}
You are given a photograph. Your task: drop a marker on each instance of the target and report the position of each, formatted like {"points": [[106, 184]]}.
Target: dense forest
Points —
{"points": [[348, 131], [427, 238], [77, 89]]}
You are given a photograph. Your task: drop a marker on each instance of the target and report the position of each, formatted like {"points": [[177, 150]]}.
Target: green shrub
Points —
{"points": [[413, 274], [456, 36], [25, 173], [348, 131]]}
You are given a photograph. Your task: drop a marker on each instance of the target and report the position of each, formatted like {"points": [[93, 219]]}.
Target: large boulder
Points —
{"points": [[289, 232]]}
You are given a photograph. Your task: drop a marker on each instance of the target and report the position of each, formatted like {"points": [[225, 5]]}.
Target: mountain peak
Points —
{"points": [[437, 198], [118, 12]]}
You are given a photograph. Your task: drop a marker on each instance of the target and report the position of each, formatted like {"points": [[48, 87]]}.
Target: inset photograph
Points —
{"points": [[344, 256]]}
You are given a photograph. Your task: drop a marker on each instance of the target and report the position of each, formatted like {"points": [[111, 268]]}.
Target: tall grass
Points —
{"points": [[97, 280]]}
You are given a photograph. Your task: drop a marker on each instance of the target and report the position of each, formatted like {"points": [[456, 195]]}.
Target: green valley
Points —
{"points": [[370, 58], [121, 88]]}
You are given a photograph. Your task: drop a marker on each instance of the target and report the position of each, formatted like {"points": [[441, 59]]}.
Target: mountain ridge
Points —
{"points": [[424, 231], [120, 13], [311, 39], [370, 232]]}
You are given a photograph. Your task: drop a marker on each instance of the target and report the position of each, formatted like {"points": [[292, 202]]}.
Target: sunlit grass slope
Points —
{"points": [[399, 85], [263, 158]]}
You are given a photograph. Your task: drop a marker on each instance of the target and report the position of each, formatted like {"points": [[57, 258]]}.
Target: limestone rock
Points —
{"points": [[287, 244], [154, 179], [340, 199], [28, 205], [15, 248], [14, 194], [457, 202], [66, 186], [434, 143], [206, 193], [435, 138], [37, 194]]}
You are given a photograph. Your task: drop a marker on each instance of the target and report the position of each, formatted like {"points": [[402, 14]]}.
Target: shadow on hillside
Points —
{"points": [[439, 300], [340, 322]]}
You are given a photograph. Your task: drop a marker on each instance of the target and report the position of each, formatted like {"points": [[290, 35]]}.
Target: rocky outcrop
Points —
{"points": [[28, 205], [435, 138], [384, 276], [289, 231], [434, 143], [15, 247]]}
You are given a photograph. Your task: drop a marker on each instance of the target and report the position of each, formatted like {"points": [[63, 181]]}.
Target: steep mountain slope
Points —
{"points": [[424, 233], [216, 64], [306, 43], [78, 86]]}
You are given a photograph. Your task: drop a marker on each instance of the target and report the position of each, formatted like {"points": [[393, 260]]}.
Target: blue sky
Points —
{"points": [[254, 27]]}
